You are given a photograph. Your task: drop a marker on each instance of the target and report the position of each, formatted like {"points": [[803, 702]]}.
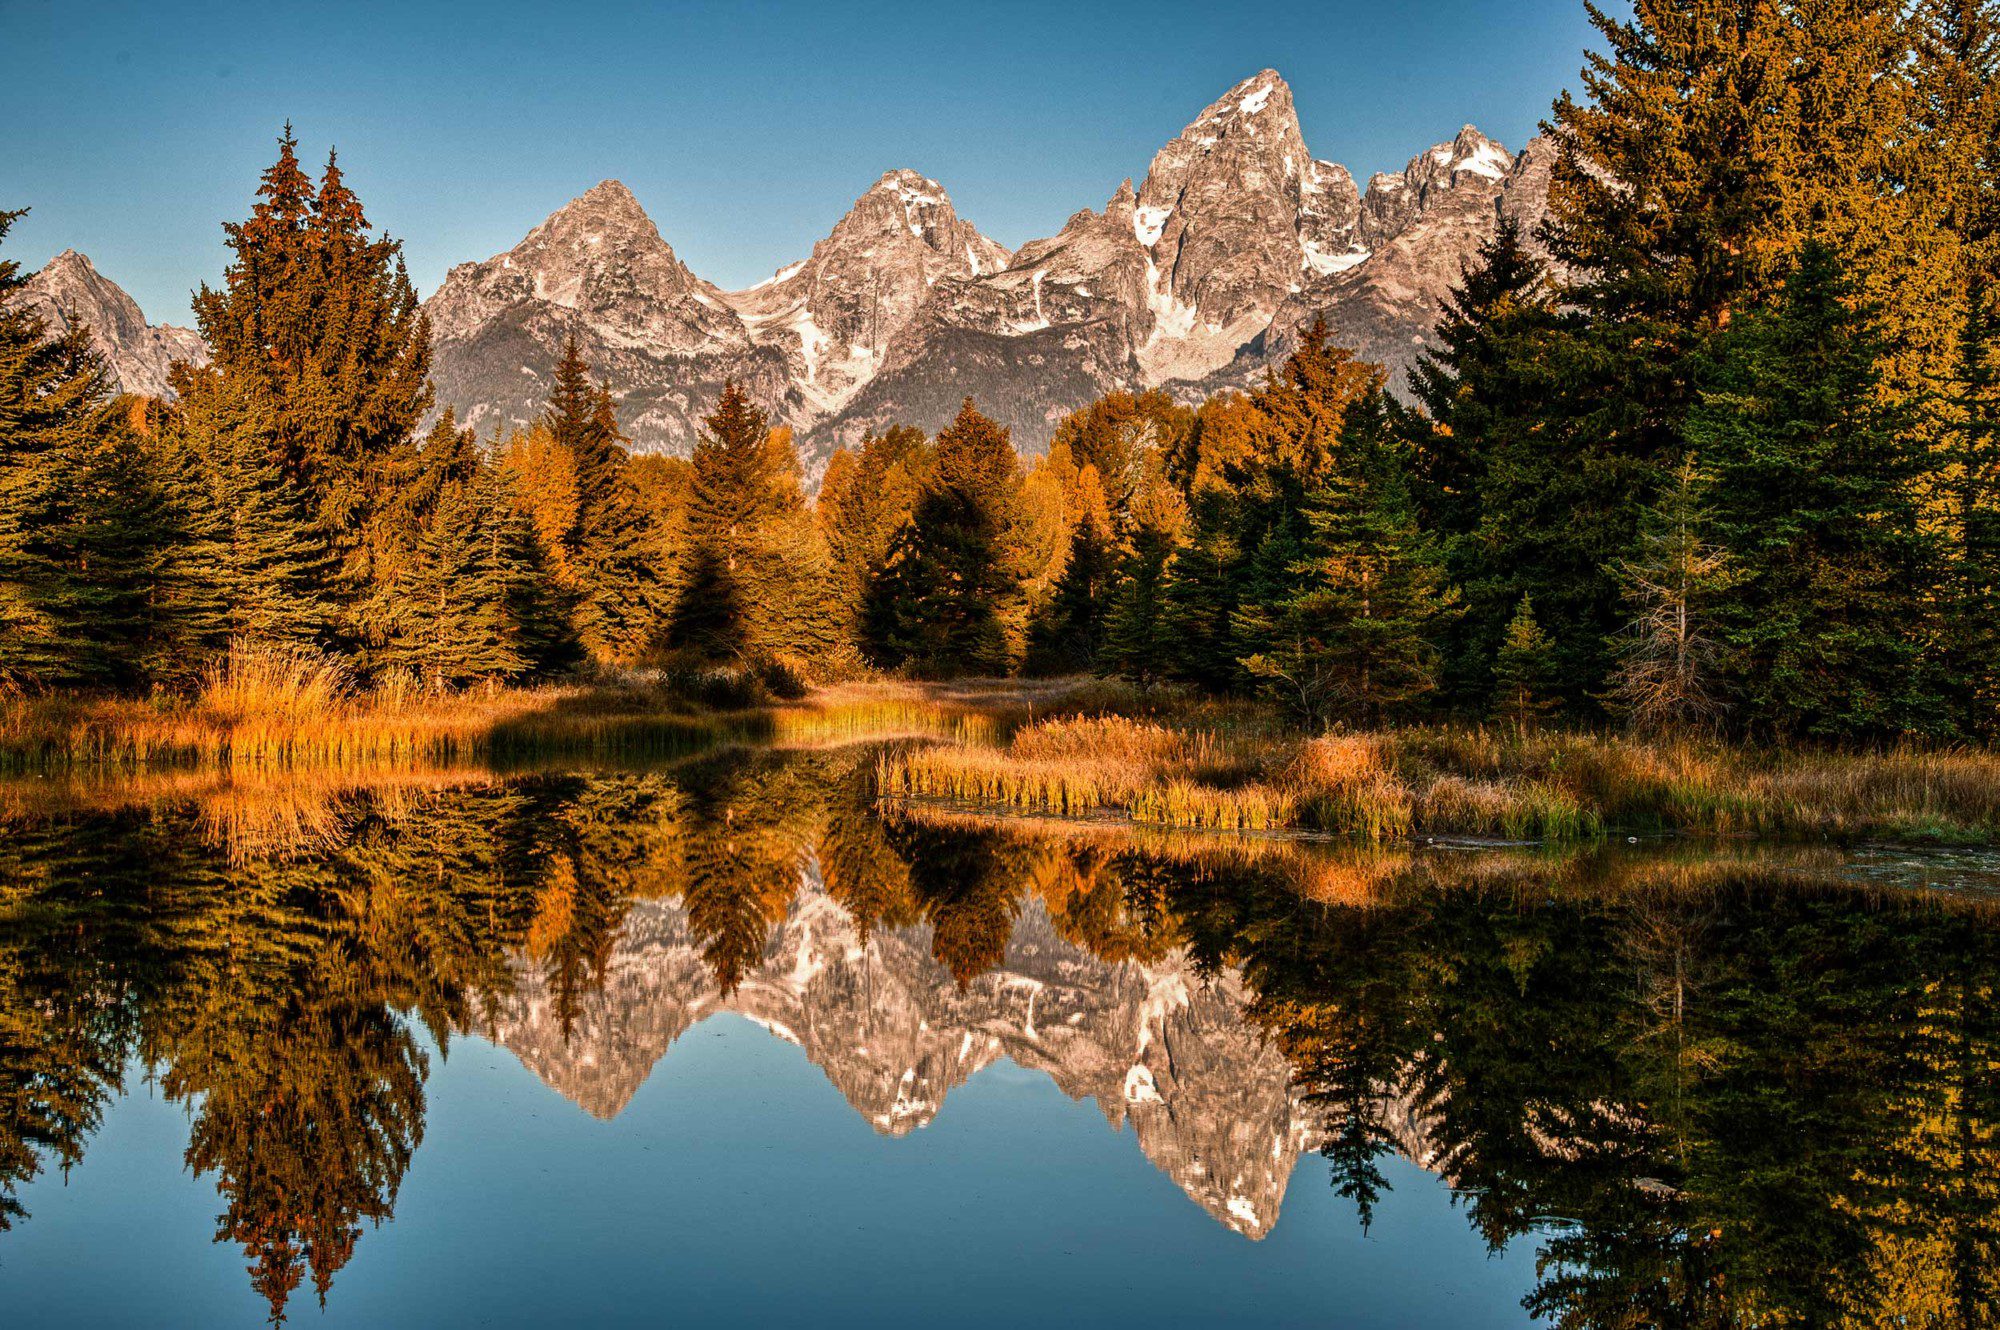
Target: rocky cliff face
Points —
{"points": [[1157, 1047], [1197, 279], [1167, 283], [1436, 214], [70, 291], [598, 270], [835, 314]]}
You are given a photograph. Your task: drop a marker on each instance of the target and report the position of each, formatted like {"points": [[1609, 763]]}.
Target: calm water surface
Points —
{"points": [[724, 1044]]}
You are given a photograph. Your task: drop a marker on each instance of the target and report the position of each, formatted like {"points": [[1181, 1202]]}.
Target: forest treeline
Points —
{"points": [[1716, 446]]}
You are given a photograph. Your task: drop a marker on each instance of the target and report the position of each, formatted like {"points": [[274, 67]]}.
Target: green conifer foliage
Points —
{"points": [[1354, 641], [865, 498], [758, 583], [1812, 497], [1068, 635], [258, 564], [1522, 670], [1248, 507], [619, 592], [1972, 640], [317, 334], [84, 533], [444, 586], [1485, 404], [941, 602], [1139, 638]]}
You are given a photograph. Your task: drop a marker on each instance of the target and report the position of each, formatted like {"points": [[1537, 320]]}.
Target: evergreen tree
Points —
{"points": [[84, 532], [446, 615], [1714, 139], [866, 497], [1468, 382], [1671, 667], [1972, 639], [940, 603], [1954, 155], [1355, 640], [258, 563], [1139, 642], [1067, 636], [758, 583], [1522, 670], [1248, 505], [317, 335], [1486, 401], [1812, 497], [620, 599]]}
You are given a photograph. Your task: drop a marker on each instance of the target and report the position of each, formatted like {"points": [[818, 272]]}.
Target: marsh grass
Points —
{"points": [[1548, 786], [288, 708]]}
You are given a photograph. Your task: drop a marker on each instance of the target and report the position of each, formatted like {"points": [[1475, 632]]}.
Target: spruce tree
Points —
{"points": [[865, 498], [1248, 504], [1468, 382], [1522, 670], [1812, 496], [1068, 635], [1139, 641], [259, 565], [941, 602], [1485, 397], [1972, 639], [1354, 640], [455, 626], [740, 591], [1712, 141], [1954, 154], [1671, 669], [317, 334], [84, 533], [442, 585]]}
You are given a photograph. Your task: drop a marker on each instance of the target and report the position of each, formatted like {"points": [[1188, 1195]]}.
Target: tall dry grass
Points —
{"points": [[1555, 786], [281, 707]]}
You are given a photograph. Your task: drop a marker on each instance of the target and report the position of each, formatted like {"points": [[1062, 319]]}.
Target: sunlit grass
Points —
{"points": [[273, 707], [1552, 786]]}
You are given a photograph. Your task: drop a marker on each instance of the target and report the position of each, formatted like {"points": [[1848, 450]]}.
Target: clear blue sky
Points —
{"points": [[134, 130]]}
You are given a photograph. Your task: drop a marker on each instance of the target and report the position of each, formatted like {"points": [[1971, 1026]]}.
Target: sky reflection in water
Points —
{"points": [[727, 1046]]}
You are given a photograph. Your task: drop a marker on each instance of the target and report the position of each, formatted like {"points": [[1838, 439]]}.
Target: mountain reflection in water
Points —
{"points": [[1705, 1088]]}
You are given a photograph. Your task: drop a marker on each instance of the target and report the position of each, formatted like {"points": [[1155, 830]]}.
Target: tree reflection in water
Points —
{"points": [[1711, 1089]]}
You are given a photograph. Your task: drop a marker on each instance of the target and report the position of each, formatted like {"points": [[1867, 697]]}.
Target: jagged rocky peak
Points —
{"points": [[906, 201], [69, 290], [835, 314], [597, 269], [1396, 199], [601, 256], [1234, 213]]}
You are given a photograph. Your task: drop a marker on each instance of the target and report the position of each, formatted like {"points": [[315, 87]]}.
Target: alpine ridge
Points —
{"points": [[1195, 280]]}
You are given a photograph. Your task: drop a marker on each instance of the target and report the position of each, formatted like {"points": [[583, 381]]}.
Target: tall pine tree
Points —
{"points": [[318, 341], [84, 532], [1813, 497], [1354, 640], [941, 603]]}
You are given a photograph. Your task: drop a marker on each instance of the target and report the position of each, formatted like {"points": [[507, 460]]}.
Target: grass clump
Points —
{"points": [[1554, 786]]}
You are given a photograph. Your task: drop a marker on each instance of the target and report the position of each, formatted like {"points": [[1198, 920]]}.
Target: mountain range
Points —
{"points": [[1196, 280], [1161, 1047]]}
